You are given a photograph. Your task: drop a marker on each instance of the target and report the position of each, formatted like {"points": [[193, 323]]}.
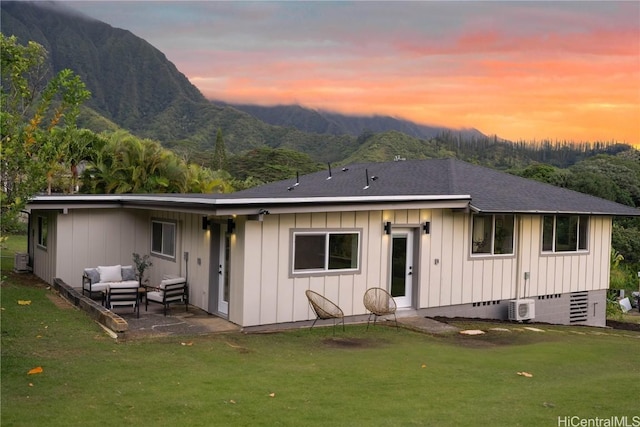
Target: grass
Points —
{"points": [[8, 248], [304, 377]]}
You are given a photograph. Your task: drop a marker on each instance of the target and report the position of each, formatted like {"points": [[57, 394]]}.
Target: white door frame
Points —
{"points": [[402, 292], [223, 271]]}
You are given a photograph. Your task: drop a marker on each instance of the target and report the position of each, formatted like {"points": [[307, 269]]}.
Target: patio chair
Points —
{"points": [[170, 291], [123, 295], [380, 303], [325, 309]]}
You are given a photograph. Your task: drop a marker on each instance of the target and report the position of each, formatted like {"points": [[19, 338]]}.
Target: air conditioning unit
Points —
{"points": [[21, 262], [522, 309]]}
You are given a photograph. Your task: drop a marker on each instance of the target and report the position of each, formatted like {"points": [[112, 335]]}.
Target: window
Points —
{"points": [[492, 234], [325, 251], [163, 238], [42, 232], [565, 233]]}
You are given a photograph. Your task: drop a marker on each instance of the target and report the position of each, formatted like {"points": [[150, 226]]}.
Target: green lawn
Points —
{"points": [[382, 377], [8, 248]]}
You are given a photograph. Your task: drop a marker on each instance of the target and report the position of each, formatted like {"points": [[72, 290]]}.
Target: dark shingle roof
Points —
{"points": [[490, 190]]}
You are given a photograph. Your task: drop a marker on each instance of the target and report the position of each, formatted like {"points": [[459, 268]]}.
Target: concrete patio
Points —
{"points": [[122, 323]]}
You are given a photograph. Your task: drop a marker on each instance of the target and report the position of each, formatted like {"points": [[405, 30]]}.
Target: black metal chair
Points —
{"points": [[125, 295]]}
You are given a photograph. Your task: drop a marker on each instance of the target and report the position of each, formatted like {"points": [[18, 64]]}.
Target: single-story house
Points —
{"points": [[445, 237]]}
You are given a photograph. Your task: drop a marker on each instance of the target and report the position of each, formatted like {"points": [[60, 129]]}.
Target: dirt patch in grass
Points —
{"points": [[626, 326], [23, 279], [351, 343], [59, 302], [493, 338]]}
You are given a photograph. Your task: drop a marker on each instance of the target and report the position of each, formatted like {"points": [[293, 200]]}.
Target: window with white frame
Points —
{"points": [[492, 234], [163, 238], [325, 251], [565, 233], [42, 232]]}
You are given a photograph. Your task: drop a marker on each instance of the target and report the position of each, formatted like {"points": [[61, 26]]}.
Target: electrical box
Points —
{"points": [[21, 262]]}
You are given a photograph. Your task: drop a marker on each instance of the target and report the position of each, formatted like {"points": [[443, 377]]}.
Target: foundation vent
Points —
{"points": [[578, 305]]}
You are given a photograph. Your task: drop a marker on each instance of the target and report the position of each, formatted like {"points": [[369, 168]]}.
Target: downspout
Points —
{"points": [[28, 236], [519, 256]]}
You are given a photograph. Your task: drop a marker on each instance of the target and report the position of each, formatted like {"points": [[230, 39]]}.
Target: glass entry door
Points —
{"points": [[223, 272], [219, 271], [402, 267]]}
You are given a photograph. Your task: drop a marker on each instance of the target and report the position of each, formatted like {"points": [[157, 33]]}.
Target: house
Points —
{"points": [[446, 237]]}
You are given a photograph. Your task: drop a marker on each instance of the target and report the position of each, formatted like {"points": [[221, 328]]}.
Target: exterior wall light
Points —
{"points": [[387, 227], [426, 227], [231, 226]]}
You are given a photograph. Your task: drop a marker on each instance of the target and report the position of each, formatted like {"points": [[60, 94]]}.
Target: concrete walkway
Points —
{"points": [[426, 325]]}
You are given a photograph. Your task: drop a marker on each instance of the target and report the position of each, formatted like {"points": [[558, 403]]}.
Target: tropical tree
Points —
{"points": [[219, 153], [269, 164], [127, 164], [37, 123]]}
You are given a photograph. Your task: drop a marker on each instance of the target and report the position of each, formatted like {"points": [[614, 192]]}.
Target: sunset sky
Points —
{"points": [[565, 70]]}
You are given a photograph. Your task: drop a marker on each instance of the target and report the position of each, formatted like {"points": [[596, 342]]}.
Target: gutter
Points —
{"points": [[225, 206]]}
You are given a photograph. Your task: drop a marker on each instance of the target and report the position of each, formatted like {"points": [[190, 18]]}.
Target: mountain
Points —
{"points": [[135, 87], [317, 121]]}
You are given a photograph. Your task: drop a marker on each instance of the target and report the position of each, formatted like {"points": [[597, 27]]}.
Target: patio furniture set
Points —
{"points": [[118, 286]]}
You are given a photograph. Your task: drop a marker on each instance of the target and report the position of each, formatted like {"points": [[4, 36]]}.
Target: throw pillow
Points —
{"points": [[92, 274], [112, 273], [128, 272]]}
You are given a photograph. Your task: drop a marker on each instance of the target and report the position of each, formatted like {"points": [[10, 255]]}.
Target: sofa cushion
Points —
{"points": [[92, 274], [171, 281], [123, 284], [154, 296], [97, 287], [111, 273], [128, 272]]}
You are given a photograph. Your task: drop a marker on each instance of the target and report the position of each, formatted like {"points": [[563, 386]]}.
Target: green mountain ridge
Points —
{"points": [[135, 87]]}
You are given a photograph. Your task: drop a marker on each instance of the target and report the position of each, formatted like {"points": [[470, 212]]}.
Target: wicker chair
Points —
{"points": [[325, 309], [380, 303]]}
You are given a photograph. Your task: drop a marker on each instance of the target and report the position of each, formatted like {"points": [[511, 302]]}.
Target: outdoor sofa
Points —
{"points": [[102, 278]]}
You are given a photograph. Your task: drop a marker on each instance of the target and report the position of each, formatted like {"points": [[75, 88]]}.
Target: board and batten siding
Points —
{"points": [[561, 273], [191, 239], [44, 259], [271, 295], [451, 276], [83, 238], [446, 272]]}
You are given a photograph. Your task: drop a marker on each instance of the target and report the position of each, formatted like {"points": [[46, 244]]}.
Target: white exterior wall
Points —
{"points": [[460, 278], [272, 296], [44, 259], [89, 238], [85, 238], [447, 273], [262, 291], [191, 238]]}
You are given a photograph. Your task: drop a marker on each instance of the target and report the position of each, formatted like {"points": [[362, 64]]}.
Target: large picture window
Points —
{"points": [[492, 234], [565, 233], [163, 238], [325, 251]]}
